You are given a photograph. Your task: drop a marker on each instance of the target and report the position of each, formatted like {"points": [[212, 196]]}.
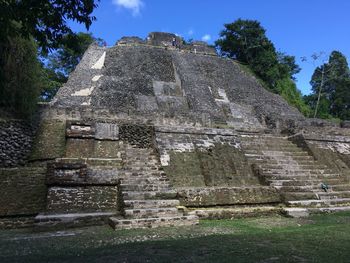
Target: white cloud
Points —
{"points": [[190, 32], [133, 5], [206, 37]]}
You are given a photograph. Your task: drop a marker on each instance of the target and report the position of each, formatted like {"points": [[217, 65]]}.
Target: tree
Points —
{"points": [[288, 90], [61, 62], [288, 65], [21, 77], [70, 52], [330, 84], [246, 41], [44, 20], [24, 24]]}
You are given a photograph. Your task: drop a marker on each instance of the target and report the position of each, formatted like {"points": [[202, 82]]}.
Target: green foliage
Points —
{"points": [[70, 52], [288, 90], [245, 41], [288, 65], [61, 62], [24, 25], [45, 20], [51, 82], [333, 80], [20, 82]]}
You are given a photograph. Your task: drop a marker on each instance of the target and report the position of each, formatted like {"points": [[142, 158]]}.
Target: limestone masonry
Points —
{"points": [[148, 134]]}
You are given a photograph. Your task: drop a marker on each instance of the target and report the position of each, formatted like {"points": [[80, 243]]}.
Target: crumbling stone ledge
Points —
{"points": [[214, 196]]}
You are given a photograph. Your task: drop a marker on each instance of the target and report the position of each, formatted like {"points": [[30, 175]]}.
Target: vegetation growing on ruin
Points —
{"points": [[330, 84], [26, 26], [246, 41]]}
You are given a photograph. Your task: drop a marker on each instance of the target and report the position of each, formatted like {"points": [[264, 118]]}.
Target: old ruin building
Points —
{"points": [[146, 134]]}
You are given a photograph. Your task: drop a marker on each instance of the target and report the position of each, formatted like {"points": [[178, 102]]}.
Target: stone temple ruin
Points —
{"points": [[146, 134]]}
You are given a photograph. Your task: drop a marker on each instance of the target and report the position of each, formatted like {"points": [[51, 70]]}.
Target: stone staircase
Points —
{"points": [[287, 167], [146, 197]]}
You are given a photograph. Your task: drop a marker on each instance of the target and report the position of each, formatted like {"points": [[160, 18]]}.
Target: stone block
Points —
{"points": [[80, 130], [213, 196], [23, 191], [82, 199], [50, 140], [106, 131]]}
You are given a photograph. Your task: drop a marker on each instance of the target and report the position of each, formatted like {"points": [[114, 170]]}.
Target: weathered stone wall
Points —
{"points": [[150, 81], [23, 191], [82, 199], [216, 196], [50, 140], [137, 135], [203, 157], [81, 174], [15, 142], [329, 145], [86, 179]]}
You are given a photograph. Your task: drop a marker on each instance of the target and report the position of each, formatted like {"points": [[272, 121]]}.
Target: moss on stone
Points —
{"points": [[50, 140], [23, 191], [221, 165], [184, 169]]}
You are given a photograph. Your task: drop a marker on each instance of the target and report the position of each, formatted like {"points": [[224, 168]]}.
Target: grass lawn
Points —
{"points": [[320, 238]]}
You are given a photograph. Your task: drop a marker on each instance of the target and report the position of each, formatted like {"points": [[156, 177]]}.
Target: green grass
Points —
{"points": [[320, 238]]}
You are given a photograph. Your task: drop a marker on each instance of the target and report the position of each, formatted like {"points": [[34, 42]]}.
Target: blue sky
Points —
{"points": [[297, 27]]}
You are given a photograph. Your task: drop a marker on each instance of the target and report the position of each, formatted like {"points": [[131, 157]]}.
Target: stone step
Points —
{"points": [[234, 212], [304, 212], [138, 163], [278, 182], [141, 174], [289, 196], [333, 194], [313, 187], [292, 166], [117, 223], [277, 157], [319, 203], [296, 168], [141, 204], [140, 155], [276, 154], [144, 187], [268, 145], [296, 173], [277, 151], [139, 152], [171, 194], [262, 137], [284, 162], [269, 141], [302, 188], [151, 212], [339, 187], [72, 219], [299, 176], [285, 175], [280, 143], [304, 182], [113, 162], [145, 180], [144, 168]]}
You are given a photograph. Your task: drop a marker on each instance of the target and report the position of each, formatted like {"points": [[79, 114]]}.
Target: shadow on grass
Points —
{"points": [[323, 238]]}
